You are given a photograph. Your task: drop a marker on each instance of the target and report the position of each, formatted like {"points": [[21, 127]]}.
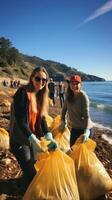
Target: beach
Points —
{"points": [[11, 182]]}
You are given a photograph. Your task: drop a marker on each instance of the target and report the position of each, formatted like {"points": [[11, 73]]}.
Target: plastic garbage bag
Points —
{"points": [[63, 139], [50, 102], [92, 178], [49, 121], [55, 125], [55, 178], [42, 146]]}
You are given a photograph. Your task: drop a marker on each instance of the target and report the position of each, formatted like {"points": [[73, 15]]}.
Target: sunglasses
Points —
{"points": [[38, 79]]}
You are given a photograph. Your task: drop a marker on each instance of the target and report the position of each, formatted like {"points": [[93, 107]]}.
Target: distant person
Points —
{"points": [[67, 82], [4, 83], [61, 92], [28, 121], [12, 83], [51, 86], [76, 106], [15, 83], [18, 83]]}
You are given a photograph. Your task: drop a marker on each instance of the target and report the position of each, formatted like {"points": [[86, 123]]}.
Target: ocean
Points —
{"points": [[100, 96]]}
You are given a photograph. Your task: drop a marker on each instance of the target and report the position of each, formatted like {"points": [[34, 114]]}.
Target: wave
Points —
{"points": [[101, 97], [108, 132], [102, 127], [107, 138], [101, 106]]}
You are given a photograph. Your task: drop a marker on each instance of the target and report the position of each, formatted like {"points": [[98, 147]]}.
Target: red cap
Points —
{"points": [[75, 78]]}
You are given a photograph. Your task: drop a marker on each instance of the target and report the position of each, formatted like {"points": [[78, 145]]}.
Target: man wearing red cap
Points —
{"points": [[76, 106]]}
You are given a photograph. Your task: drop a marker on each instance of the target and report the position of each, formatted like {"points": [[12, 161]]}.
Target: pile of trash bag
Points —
{"points": [[92, 178], [78, 175]]}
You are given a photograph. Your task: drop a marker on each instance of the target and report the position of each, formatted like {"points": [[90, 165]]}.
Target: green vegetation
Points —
{"points": [[15, 64], [8, 55]]}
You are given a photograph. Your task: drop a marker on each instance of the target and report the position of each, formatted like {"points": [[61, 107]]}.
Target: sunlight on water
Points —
{"points": [[100, 95]]}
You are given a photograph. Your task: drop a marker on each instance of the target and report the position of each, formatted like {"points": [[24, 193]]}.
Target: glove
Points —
{"points": [[62, 126], [35, 144], [48, 136], [86, 135], [53, 145]]}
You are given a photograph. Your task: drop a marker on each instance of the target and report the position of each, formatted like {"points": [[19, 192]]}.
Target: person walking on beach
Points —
{"points": [[51, 86], [28, 121], [76, 106], [61, 92]]}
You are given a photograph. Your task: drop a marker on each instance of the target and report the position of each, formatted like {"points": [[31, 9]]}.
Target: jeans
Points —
{"points": [[75, 133], [24, 156], [61, 96]]}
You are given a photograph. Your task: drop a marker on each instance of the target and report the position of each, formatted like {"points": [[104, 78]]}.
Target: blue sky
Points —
{"points": [[77, 33]]}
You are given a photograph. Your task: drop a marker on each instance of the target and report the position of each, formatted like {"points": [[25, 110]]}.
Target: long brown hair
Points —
{"points": [[70, 95], [42, 95]]}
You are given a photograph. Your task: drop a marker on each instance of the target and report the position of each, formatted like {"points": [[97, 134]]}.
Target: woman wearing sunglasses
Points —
{"points": [[28, 123]]}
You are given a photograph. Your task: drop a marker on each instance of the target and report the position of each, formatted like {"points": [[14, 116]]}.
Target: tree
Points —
{"points": [[5, 45], [3, 62], [8, 54], [13, 55]]}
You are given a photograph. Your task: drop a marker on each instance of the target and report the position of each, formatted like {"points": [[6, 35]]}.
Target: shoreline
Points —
{"points": [[106, 134], [101, 126]]}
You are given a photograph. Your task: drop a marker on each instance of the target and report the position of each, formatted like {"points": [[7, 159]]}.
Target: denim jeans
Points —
{"points": [[25, 158], [75, 133]]}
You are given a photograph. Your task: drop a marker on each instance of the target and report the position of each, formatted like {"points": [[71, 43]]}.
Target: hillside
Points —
{"points": [[15, 64]]}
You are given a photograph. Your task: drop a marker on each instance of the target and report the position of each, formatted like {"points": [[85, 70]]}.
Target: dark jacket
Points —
{"points": [[51, 87], [19, 123]]}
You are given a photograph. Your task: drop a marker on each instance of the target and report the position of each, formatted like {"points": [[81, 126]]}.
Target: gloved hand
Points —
{"points": [[35, 143], [62, 126], [85, 136], [52, 145], [48, 136]]}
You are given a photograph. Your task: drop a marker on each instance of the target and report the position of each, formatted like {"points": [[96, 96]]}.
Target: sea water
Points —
{"points": [[100, 96]]}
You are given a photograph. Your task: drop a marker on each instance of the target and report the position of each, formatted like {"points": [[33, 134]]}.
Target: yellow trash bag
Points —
{"points": [[49, 121], [42, 146], [63, 139], [50, 102], [55, 125], [92, 178], [55, 178]]}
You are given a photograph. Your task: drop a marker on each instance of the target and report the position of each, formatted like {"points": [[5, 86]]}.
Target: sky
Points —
{"points": [[77, 33]]}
